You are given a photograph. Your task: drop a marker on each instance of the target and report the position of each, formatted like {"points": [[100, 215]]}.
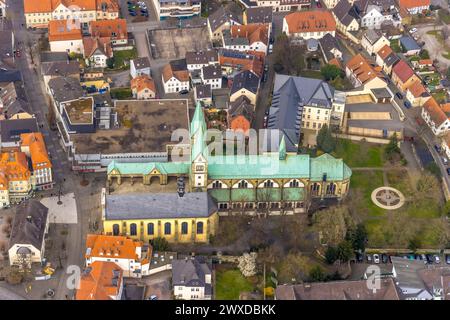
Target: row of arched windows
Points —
{"points": [[151, 228]]}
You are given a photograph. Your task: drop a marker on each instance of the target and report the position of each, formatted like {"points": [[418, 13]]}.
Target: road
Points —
{"points": [[433, 46], [65, 179]]}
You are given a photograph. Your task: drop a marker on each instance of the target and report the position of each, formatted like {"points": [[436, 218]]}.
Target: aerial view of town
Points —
{"points": [[230, 150]]}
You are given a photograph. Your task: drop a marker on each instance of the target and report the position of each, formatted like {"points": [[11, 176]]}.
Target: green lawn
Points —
{"points": [[230, 283], [122, 58], [312, 74], [121, 93], [359, 154], [440, 96], [395, 45], [364, 182]]}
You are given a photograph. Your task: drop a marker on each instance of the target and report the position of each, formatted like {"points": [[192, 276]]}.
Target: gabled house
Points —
{"points": [[362, 73], [373, 40], [250, 37], [258, 15], [417, 94], [347, 19], [143, 88], [192, 279], [129, 255], [240, 114], [102, 280], [116, 30], [212, 75], [330, 48], [65, 35], [246, 84], [233, 62], [175, 76], [97, 51], [66, 68], [309, 24], [223, 19], [415, 6], [403, 75], [139, 67], [386, 58], [203, 94], [436, 117], [375, 13], [27, 242], [409, 46], [197, 60]]}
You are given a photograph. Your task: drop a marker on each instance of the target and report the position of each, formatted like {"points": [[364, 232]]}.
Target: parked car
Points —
{"points": [[429, 258], [384, 258], [399, 95], [413, 30], [265, 122], [270, 48], [444, 160], [369, 258], [448, 171], [447, 258], [132, 13], [153, 297], [407, 104], [437, 148], [184, 91], [423, 257], [376, 258], [436, 259]]}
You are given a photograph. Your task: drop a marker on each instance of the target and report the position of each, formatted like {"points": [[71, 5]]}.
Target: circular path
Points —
{"points": [[388, 198]]}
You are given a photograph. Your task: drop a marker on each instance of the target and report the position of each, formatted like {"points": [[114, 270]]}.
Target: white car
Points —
{"points": [[270, 48], [413, 30], [376, 258]]}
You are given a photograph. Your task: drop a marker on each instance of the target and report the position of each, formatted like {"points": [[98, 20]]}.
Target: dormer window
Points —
{"points": [[243, 184], [268, 184], [217, 185]]}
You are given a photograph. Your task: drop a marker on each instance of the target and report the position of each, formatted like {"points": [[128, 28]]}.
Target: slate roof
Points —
{"points": [[60, 68], [345, 12], [409, 43], [29, 224], [372, 36], [203, 91], [11, 129], [224, 14], [65, 89], [241, 106], [245, 80], [202, 57], [290, 94], [10, 75], [159, 206], [191, 273], [327, 43], [212, 72], [141, 63], [49, 56], [259, 15]]}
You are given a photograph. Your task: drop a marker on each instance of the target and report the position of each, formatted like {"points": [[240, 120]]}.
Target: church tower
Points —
{"points": [[199, 161]]}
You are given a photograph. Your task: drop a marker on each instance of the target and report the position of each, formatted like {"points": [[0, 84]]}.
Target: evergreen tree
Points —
{"points": [[325, 140]]}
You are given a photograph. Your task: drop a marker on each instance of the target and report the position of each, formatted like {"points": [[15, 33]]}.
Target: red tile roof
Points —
{"points": [[310, 21], [437, 115], [384, 52], [64, 30], [414, 3], [403, 71], [143, 82]]}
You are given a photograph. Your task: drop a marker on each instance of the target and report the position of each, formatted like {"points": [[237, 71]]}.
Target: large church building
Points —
{"points": [[270, 183]]}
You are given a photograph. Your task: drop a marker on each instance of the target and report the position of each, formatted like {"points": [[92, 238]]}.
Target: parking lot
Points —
{"points": [[173, 43], [137, 11]]}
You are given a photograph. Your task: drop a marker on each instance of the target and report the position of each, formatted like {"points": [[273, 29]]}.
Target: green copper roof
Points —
{"points": [[198, 121], [282, 149], [146, 168], [199, 143], [335, 169]]}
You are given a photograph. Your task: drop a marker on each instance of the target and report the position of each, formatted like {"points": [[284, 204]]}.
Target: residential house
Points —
{"points": [[423, 64], [309, 24], [258, 15], [129, 255], [362, 73], [65, 35], [115, 30], [64, 68], [192, 279], [191, 218], [417, 94], [375, 13], [245, 83], [250, 37], [33, 145], [347, 19], [175, 76], [38, 14], [386, 58], [337, 290], [97, 51], [212, 75], [415, 6], [143, 88], [278, 5], [330, 48], [409, 46], [139, 67], [373, 40], [203, 94], [222, 19], [11, 129], [303, 104], [62, 89], [436, 117], [419, 281], [180, 9], [102, 280], [233, 62], [27, 241], [198, 60], [240, 114], [403, 75], [12, 99], [16, 183]]}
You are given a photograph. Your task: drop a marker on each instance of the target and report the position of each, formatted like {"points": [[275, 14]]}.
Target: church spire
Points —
{"points": [[198, 121], [282, 149]]}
